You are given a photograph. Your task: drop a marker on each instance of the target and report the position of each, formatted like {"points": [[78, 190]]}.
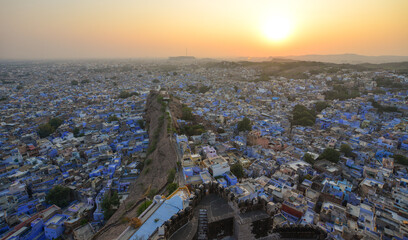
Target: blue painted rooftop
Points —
{"points": [[162, 214]]}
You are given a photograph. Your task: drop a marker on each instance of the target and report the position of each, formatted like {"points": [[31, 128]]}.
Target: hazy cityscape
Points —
{"points": [[123, 126]]}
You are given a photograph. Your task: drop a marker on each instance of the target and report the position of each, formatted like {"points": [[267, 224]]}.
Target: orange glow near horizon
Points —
{"points": [[226, 28]]}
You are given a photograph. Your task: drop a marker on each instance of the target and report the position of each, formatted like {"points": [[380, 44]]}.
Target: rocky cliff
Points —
{"points": [[154, 175]]}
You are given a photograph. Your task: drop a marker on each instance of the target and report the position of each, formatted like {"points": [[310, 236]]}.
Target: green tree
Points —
{"points": [[153, 192], [74, 82], [141, 123], [330, 154], [341, 92], [400, 159], [238, 170], [320, 106], [143, 207], [108, 202], [55, 122], [156, 80], [59, 195], [171, 175], [308, 158], [204, 89], [244, 125], [171, 188], [302, 116], [75, 131], [124, 94], [186, 113], [45, 130], [83, 221], [113, 118], [192, 130], [346, 149]]}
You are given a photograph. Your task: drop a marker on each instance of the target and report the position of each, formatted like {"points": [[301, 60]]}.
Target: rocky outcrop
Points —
{"points": [[154, 175]]}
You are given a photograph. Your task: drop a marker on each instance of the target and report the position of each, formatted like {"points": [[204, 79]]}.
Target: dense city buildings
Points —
{"points": [[191, 148]]}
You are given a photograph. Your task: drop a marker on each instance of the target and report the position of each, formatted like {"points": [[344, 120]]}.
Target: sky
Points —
{"points": [[55, 29]]}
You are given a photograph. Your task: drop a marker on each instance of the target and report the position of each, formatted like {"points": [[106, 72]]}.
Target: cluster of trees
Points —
{"points": [[302, 116], [238, 170], [192, 130], [126, 94], [141, 123], [44, 130], [143, 207], [113, 118], [76, 131], [75, 82], [186, 113], [330, 154], [108, 204], [204, 89], [59, 195], [342, 93], [380, 108], [244, 125], [262, 78], [171, 175], [400, 159], [308, 158], [195, 89], [320, 106], [388, 83], [346, 149], [171, 188]]}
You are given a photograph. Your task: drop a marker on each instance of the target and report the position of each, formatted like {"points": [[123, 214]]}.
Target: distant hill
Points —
{"points": [[181, 58], [347, 58]]}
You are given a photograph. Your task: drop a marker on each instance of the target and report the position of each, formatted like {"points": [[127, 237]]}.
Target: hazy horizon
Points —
{"points": [[108, 29]]}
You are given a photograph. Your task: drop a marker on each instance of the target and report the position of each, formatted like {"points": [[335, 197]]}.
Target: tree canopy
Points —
{"points": [[308, 158], [302, 116], [244, 125], [400, 159], [341, 92], [238, 170], [171, 188], [59, 195], [330, 154], [143, 207], [113, 118], [108, 203], [192, 130], [186, 113], [346, 149], [44, 130], [55, 122], [126, 94], [320, 106]]}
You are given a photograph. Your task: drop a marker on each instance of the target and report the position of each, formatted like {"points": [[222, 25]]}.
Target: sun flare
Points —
{"points": [[277, 28]]}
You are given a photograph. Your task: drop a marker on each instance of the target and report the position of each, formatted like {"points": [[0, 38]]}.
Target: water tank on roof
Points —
{"points": [[157, 199]]}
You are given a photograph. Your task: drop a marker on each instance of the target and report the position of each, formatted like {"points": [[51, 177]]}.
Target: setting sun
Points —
{"points": [[277, 28]]}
